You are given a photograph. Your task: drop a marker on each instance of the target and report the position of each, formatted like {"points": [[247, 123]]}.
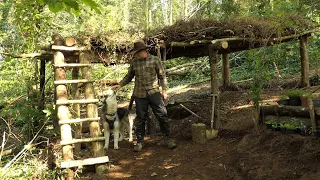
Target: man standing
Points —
{"points": [[148, 73]]}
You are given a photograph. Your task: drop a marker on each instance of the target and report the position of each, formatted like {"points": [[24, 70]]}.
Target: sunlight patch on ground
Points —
{"points": [[115, 168], [139, 164], [169, 165], [148, 153], [118, 175], [124, 161], [176, 88]]}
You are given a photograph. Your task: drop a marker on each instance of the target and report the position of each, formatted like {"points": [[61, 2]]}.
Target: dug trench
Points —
{"points": [[239, 152]]}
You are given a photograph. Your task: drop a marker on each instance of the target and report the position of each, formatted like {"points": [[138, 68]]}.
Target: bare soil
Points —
{"points": [[239, 152]]}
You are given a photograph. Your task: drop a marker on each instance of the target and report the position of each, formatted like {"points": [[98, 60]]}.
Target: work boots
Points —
{"points": [[170, 143], [137, 147]]}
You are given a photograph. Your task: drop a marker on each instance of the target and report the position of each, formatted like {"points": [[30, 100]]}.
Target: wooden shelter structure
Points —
{"points": [[66, 54]]}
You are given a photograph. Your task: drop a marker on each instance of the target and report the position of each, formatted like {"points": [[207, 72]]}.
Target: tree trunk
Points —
{"points": [[164, 4], [147, 14], [126, 14], [304, 61], [170, 19]]}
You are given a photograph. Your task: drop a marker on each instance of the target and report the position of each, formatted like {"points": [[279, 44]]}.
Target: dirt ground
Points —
{"points": [[239, 151]]}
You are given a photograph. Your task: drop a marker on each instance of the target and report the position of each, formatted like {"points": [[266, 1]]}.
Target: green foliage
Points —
{"points": [[315, 80], [68, 5], [295, 93]]}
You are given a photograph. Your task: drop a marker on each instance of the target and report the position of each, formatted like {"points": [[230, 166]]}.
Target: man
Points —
{"points": [[148, 72]]}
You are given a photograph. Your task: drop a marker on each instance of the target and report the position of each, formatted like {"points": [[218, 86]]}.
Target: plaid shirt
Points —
{"points": [[148, 73]]}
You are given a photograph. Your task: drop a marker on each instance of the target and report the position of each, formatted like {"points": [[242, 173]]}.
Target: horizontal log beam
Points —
{"points": [[86, 140], [84, 162], [31, 55], [81, 101], [59, 82], [78, 120], [71, 65], [66, 48]]}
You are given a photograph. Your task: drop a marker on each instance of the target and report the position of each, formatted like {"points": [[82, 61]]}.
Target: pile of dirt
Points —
{"points": [[251, 27], [266, 154]]}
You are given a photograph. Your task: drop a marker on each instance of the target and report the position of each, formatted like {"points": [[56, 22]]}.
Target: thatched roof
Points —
{"points": [[190, 38], [245, 27]]}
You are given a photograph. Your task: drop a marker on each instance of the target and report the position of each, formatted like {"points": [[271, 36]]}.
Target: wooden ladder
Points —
{"points": [[64, 116]]}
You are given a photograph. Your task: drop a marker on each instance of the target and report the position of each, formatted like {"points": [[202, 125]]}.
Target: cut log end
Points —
{"points": [[57, 39], [70, 41], [199, 133]]}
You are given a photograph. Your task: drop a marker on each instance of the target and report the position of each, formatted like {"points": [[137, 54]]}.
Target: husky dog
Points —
{"points": [[116, 120]]}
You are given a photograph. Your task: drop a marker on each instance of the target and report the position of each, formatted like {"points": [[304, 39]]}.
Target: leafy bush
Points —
{"points": [[295, 93]]}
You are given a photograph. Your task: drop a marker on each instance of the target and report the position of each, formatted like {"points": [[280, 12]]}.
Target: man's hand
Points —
{"points": [[164, 95], [115, 87]]}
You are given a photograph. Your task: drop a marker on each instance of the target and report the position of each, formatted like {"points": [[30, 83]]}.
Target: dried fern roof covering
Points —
{"points": [[246, 27]]}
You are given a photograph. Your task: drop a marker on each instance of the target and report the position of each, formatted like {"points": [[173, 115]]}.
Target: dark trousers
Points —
{"points": [[159, 110]]}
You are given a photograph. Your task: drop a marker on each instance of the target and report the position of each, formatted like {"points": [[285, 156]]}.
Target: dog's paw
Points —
{"points": [[116, 148], [106, 147], [130, 139]]}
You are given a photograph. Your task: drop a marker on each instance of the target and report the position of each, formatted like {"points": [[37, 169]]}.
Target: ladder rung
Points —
{"points": [[71, 65], [80, 101], [78, 120], [84, 162], [59, 82], [66, 48], [85, 140]]}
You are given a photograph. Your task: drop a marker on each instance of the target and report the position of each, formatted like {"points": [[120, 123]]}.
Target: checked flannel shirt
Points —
{"points": [[148, 73]]}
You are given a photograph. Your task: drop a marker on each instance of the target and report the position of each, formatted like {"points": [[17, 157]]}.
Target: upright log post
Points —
{"points": [[76, 108], [164, 54], [92, 111], [63, 111], [226, 70], [215, 120], [42, 84], [304, 61]]}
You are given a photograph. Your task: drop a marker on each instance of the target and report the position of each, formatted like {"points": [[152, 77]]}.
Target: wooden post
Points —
{"points": [[312, 116], [158, 51], [63, 111], [215, 121], [304, 61], [76, 108], [42, 84], [225, 70], [164, 54], [92, 111]]}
